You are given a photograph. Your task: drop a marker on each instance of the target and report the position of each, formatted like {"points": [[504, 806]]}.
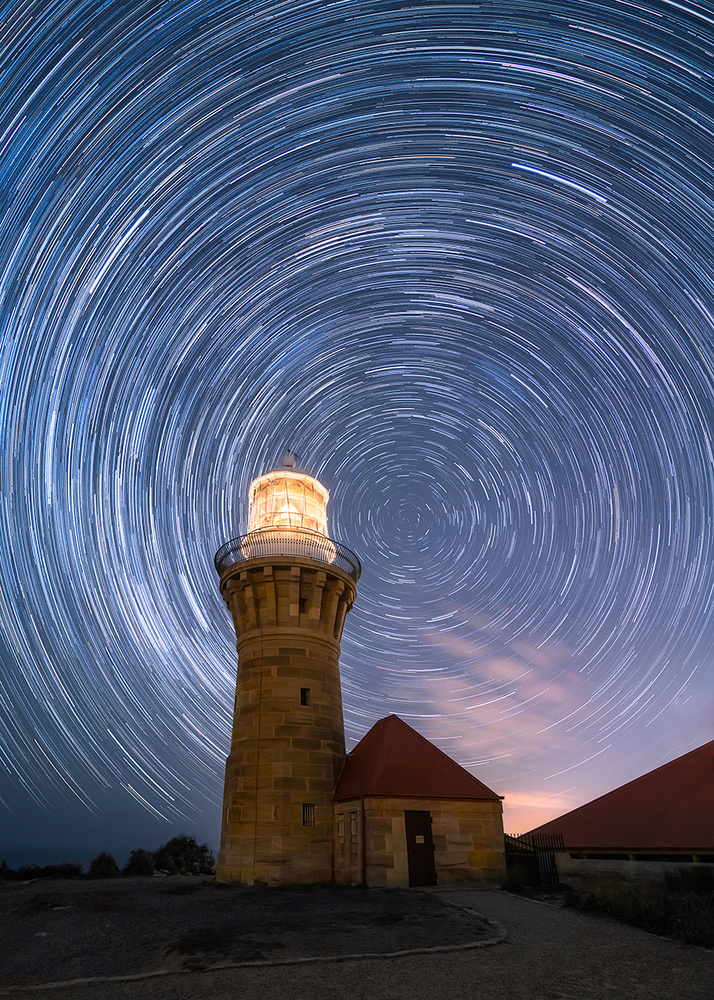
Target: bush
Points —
{"points": [[681, 907], [140, 862], [103, 866], [183, 856], [695, 878], [27, 872], [65, 870]]}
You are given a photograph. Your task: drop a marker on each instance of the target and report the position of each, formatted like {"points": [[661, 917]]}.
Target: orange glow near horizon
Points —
{"points": [[524, 811]]}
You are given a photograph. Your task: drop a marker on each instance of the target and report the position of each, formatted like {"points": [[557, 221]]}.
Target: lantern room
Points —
{"points": [[288, 499]]}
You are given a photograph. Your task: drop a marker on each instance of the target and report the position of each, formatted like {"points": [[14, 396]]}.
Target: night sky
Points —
{"points": [[458, 257]]}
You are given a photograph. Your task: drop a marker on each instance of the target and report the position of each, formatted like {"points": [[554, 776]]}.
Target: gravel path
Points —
{"points": [[550, 954]]}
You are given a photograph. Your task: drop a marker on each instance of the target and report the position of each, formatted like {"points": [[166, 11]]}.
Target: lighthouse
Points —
{"points": [[289, 587]]}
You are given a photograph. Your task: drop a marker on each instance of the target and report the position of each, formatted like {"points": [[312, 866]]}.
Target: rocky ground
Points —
{"points": [[301, 945], [60, 930]]}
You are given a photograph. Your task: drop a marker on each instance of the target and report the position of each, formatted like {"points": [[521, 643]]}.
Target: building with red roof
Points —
{"points": [[665, 815], [407, 814]]}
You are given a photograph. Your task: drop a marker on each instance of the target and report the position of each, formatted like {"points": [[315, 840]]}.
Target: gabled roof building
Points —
{"points": [[406, 814], [665, 815]]}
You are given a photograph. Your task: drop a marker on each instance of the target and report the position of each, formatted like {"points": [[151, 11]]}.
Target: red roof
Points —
{"points": [[670, 808], [393, 761]]}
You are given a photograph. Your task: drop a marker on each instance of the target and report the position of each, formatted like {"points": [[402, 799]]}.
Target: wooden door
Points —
{"points": [[420, 847]]}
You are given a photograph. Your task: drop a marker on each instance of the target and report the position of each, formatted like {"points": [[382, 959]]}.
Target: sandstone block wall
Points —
{"points": [[287, 748], [371, 845]]}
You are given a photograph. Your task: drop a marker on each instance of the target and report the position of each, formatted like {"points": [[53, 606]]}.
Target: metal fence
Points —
{"points": [[287, 542], [531, 858]]}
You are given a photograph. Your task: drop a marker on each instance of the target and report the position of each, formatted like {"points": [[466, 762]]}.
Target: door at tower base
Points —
{"points": [[394, 785]]}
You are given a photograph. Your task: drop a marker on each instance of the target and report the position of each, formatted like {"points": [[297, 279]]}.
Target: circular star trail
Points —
{"points": [[458, 258]]}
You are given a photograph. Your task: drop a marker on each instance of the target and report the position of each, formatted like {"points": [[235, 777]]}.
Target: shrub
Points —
{"points": [[183, 856], [140, 862], [27, 872], [681, 907], [103, 866], [67, 869], [695, 878]]}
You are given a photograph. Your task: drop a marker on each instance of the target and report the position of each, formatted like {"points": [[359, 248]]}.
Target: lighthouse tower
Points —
{"points": [[288, 587]]}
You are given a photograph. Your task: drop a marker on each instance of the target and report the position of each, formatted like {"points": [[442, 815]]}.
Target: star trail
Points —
{"points": [[458, 257]]}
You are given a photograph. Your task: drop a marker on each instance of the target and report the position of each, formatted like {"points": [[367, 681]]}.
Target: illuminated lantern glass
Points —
{"points": [[288, 499]]}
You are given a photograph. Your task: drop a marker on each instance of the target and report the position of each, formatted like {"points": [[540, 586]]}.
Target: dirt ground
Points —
{"points": [[544, 952], [61, 930]]}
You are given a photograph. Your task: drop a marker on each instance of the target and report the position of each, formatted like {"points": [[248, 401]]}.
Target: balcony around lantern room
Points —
{"points": [[288, 541], [287, 517]]}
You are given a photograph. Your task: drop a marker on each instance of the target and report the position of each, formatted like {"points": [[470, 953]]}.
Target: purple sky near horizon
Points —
{"points": [[456, 256]]}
